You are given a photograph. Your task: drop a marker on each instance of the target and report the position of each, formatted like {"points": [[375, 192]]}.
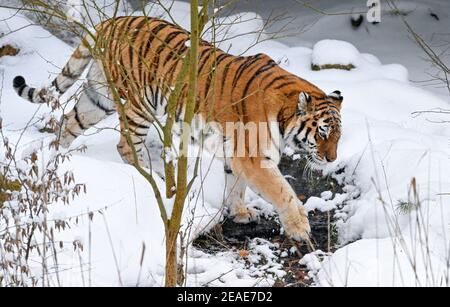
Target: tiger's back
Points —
{"points": [[144, 57]]}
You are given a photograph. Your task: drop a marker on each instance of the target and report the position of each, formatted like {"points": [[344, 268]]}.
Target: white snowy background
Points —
{"points": [[383, 146]]}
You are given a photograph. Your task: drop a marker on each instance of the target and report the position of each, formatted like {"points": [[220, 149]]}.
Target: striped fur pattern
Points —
{"points": [[317, 131], [142, 58]]}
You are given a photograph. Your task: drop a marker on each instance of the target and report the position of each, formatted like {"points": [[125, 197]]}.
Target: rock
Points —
{"points": [[266, 229], [304, 184]]}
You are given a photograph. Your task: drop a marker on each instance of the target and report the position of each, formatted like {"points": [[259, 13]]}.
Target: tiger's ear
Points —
{"points": [[304, 104], [336, 95]]}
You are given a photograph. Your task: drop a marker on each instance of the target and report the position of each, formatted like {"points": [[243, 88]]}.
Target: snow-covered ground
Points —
{"points": [[383, 147]]}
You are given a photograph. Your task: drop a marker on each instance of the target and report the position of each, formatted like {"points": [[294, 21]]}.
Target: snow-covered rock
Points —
{"points": [[334, 52]]}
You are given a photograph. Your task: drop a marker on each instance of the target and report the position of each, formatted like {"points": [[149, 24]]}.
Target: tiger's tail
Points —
{"points": [[73, 70]]}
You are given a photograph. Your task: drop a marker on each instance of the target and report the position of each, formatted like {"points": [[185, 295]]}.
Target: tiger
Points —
{"points": [[142, 57]]}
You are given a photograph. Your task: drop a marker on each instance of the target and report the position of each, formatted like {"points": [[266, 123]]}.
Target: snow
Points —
{"points": [[331, 51], [384, 145], [385, 262], [325, 203], [313, 261]]}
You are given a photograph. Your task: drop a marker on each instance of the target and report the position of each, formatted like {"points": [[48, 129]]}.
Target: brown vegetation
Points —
{"points": [[8, 50]]}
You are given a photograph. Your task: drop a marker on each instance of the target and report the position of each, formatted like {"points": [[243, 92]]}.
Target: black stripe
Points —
{"points": [[244, 67], [281, 126], [179, 106], [171, 36], [136, 31], [268, 75], [154, 33], [55, 84], [172, 69], [302, 125], [208, 83], [131, 48], [173, 53], [155, 97], [97, 103], [66, 73], [225, 73], [139, 110], [274, 81], [143, 61], [153, 101], [122, 30], [77, 118], [113, 44], [154, 64], [297, 142], [139, 134], [71, 133], [202, 54], [165, 44], [136, 125], [174, 65], [291, 93], [319, 98], [21, 89], [305, 138], [203, 63], [158, 97], [147, 98], [221, 58], [130, 24], [321, 108], [261, 70], [279, 87], [330, 106], [30, 94]]}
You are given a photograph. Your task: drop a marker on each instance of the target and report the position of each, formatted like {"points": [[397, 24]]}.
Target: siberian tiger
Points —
{"points": [[142, 58]]}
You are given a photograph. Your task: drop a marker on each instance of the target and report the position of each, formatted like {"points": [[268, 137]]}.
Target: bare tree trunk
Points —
{"points": [[182, 182]]}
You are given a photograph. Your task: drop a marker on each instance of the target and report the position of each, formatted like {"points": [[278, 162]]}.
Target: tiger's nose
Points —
{"points": [[330, 159]]}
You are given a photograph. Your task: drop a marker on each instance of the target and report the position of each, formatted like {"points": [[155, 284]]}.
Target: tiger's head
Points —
{"points": [[315, 129]]}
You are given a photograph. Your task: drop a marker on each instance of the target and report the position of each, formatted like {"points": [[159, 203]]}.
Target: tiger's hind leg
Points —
{"points": [[235, 198], [94, 104], [134, 130]]}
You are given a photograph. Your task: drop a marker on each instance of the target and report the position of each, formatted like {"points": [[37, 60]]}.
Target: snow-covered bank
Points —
{"points": [[384, 146]]}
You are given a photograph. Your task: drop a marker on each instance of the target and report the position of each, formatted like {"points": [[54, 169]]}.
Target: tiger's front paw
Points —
{"points": [[241, 214], [295, 223]]}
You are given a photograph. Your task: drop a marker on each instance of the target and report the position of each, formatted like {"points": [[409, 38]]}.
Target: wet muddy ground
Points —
{"points": [[231, 236]]}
